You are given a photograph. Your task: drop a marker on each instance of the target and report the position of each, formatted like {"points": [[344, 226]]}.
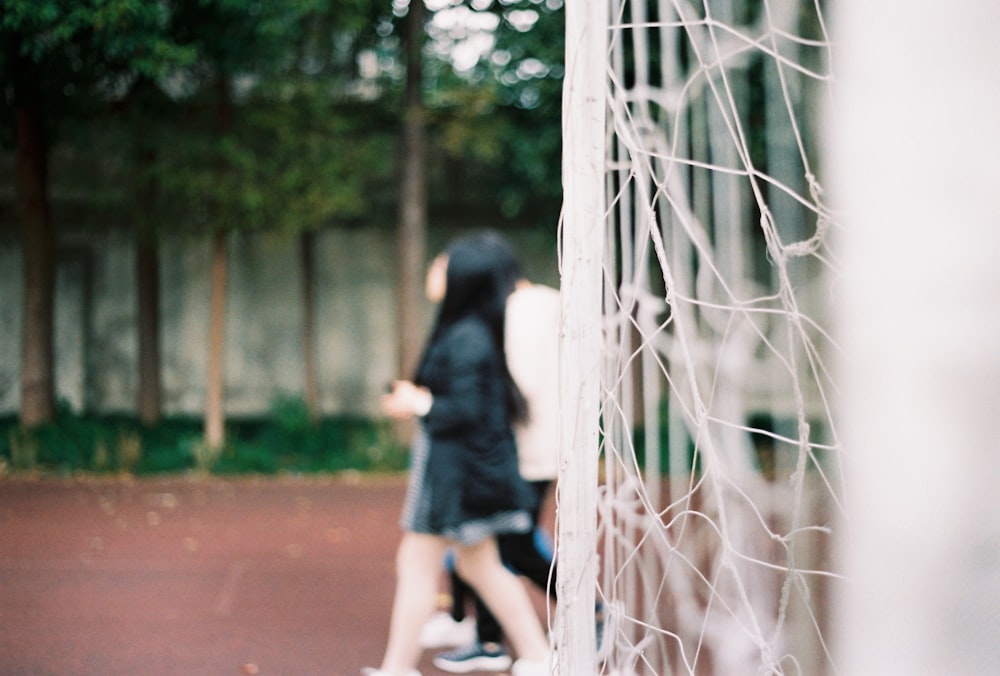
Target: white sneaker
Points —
{"points": [[442, 631], [372, 671], [530, 668]]}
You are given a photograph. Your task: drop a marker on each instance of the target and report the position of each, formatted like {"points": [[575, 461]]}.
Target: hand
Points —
{"points": [[406, 400]]}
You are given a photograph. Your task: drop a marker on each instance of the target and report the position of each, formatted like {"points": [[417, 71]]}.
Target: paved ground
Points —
{"points": [[196, 576]]}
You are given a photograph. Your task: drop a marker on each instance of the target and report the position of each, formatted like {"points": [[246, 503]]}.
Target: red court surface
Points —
{"points": [[187, 576]]}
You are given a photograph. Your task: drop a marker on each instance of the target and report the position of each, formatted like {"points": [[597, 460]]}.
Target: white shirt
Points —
{"points": [[532, 349]]}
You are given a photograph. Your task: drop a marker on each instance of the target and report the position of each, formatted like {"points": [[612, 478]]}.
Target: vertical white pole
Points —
{"points": [[581, 263], [915, 142]]}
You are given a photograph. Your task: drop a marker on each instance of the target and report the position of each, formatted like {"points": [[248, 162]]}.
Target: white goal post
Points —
{"points": [[581, 264]]}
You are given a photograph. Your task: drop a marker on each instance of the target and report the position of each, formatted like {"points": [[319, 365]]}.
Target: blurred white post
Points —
{"points": [[581, 269], [916, 141]]}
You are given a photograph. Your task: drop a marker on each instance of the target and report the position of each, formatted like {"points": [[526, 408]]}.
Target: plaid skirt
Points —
{"points": [[417, 506]]}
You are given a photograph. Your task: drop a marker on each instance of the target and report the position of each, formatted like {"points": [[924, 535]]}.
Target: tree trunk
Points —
{"points": [[38, 250], [215, 416], [412, 240], [148, 276], [215, 372], [307, 242]]}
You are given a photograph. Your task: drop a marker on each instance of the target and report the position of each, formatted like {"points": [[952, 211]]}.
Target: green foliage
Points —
{"points": [[204, 114], [234, 37], [284, 441], [288, 441], [68, 443], [67, 60], [104, 35], [499, 124], [289, 161], [23, 449], [222, 113], [266, 129]]}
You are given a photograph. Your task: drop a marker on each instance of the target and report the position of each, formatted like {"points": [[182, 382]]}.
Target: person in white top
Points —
{"points": [[532, 348], [532, 352]]}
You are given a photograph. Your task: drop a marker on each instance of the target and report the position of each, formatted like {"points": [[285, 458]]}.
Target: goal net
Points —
{"points": [[697, 274]]}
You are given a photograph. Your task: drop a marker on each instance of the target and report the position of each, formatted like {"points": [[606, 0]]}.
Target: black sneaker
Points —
{"points": [[474, 657]]}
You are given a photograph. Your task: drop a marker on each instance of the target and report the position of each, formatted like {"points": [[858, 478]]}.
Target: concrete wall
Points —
{"points": [[96, 331]]}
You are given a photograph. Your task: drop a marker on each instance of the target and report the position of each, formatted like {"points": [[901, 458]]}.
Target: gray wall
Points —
{"points": [[96, 331]]}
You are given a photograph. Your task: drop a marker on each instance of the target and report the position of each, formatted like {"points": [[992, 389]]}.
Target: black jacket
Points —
{"points": [[472, 468]]}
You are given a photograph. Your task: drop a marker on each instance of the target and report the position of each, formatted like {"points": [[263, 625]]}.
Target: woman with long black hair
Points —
{"points": [[465, 487]]}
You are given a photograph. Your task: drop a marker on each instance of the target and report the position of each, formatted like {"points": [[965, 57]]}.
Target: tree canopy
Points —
{"points": [[313, 90]]}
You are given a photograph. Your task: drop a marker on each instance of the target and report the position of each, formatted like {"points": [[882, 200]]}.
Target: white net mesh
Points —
{"points": [[719, 485]]}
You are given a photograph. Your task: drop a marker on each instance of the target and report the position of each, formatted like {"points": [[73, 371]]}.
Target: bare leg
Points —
{"points": [[418, 566], [506, 597]]}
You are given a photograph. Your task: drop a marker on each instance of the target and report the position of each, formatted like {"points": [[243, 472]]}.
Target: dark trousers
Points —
{"points": [[520, 552]]}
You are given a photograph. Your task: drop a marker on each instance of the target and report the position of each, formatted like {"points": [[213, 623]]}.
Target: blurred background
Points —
{"points": [[215, 215]]}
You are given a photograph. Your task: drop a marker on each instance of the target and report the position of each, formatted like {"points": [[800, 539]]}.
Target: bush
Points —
{"points": [[284, 441]]}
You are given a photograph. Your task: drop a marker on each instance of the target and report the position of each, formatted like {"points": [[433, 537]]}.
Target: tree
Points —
{"points": [[63, 60], [37, 246], [412, 240], [267, 137], [233, 38], [142, 113]]}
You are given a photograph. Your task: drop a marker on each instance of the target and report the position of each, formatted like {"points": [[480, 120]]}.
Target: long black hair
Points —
{"points": [[478, 283], [505, 257]]}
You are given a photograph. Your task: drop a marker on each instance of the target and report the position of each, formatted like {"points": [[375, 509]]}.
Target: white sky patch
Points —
{"points": [[523, 20], [461, 33], [530, 68], [466, 54]]}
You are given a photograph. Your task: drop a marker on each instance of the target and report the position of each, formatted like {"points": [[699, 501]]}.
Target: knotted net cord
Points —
{"points": [[719, 482]]}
